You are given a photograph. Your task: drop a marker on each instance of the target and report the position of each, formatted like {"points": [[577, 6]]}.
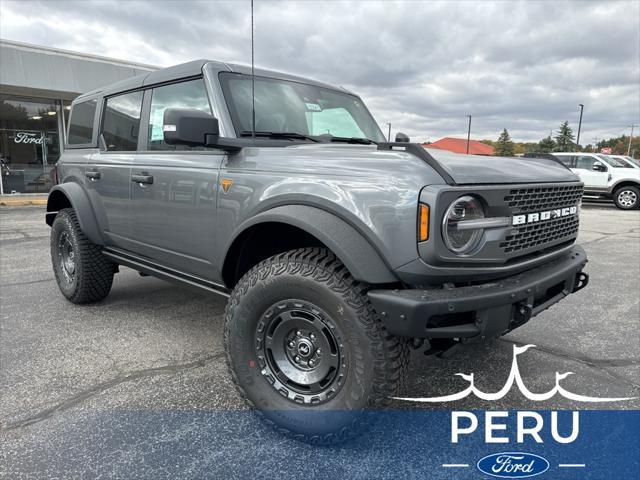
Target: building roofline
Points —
{"points": [[78, 55]]}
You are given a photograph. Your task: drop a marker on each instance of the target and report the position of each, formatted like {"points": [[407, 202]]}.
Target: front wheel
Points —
{"points": [[82, 272], [627, 198], [306, 348]]}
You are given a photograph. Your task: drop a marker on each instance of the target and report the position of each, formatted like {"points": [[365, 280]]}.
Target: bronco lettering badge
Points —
{"points": [[542, 216]]}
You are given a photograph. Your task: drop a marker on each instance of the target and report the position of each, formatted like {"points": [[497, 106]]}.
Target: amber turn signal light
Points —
{"points": [[423, 222]]}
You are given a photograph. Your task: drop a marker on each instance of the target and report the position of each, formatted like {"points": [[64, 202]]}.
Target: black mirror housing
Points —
{"points": [[402, 138], [190, 127], [599, 167]]}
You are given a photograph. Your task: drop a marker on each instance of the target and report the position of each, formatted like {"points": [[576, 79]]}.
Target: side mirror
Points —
{"points": [[182, 126], [598, 167], [402, 138]]}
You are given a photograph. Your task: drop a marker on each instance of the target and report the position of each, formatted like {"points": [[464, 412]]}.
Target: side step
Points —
{"points": [[146, 267]]}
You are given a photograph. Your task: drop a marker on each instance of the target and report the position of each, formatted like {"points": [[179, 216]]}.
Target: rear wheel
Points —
{"points": [[627, 198], [307, 349], [82, 272]]}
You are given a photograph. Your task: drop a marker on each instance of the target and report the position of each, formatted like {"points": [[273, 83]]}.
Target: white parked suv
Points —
{"points": [[634, 162], [605, 177]]}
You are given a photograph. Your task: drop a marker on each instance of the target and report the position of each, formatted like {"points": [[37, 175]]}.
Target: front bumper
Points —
{"points": [[486, 310]]}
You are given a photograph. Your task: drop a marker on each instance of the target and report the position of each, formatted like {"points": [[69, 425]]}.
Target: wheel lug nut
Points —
{"points": [[319, 351], [312, 363], [297, 359], [312, 336], [299, 333], [292, 344]]}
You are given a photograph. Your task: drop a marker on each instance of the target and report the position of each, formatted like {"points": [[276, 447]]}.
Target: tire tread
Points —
{"points": [[391, 353], [95, 270]]}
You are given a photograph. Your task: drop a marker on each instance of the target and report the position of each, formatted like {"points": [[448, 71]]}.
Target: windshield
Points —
{"points": [[614, 162], [296, 108]]}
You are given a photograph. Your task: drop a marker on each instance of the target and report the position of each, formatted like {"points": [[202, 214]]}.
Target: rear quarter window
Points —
{"points": [[121, 122], [81, 123]]}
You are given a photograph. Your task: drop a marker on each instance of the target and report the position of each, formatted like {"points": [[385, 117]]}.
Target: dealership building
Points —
{"points": [[37, 85]]}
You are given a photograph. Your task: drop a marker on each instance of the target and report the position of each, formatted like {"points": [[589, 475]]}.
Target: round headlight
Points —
{"points": [[462, 240]]}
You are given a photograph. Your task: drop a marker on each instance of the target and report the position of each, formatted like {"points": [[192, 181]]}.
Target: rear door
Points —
{"points": [[174, 188], [108, 172]]}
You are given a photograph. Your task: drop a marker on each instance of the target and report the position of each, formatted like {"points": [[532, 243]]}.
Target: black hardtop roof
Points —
{"points": [[191, 69]]}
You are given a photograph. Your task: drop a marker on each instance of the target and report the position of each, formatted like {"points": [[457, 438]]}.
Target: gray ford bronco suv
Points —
{"points": [[337, 250]]}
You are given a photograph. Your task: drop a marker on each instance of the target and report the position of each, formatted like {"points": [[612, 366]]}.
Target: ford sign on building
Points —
{"points": [[37, 85]]}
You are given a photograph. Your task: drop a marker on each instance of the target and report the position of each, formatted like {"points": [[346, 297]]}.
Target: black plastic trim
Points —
{"points": [[419, 151], [150, 268], [498, 306], [80, 203]]}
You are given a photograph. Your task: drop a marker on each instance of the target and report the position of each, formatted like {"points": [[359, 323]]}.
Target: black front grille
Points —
{"points": [[540, 234], [535, 199]]}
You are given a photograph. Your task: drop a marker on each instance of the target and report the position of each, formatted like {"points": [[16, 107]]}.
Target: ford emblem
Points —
{"points": [[513, 465]]}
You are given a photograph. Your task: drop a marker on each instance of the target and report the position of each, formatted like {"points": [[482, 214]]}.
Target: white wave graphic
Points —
{"points": [[514, 377]]}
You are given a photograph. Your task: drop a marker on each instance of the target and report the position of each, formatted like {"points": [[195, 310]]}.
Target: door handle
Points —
{"points": [[148, 179], [93, 175]]}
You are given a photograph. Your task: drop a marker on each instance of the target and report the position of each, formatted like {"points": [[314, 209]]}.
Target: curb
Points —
{"points": [[22, 202]]}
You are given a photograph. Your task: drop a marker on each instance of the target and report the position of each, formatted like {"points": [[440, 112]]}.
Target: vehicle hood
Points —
{"points": [[475, 169], [368, 160]]}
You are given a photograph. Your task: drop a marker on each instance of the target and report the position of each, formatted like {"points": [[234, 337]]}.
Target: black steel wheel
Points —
{"points": [[301, 351], [66, 257], [306, 348]]}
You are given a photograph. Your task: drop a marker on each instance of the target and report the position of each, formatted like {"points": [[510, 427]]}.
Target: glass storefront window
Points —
{"points": [[29, 143]]}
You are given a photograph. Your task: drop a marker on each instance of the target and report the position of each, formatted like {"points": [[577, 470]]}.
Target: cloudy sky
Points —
{"points": [[423, 66]]}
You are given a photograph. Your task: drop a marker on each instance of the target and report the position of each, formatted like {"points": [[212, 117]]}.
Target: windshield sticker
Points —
{"points": [[313, 107]]}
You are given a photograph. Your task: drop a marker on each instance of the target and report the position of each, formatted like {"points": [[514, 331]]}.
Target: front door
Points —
{"points": [[593, 179], [174, 189]]}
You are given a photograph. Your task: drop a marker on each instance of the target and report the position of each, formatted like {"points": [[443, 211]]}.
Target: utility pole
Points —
{"points": [[579, 125], [630, 137], [468, 133], [389, 135]]}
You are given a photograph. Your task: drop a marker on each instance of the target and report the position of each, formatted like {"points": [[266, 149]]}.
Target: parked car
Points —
{"points": [[336, 249], [605, 177], [633, 162]]}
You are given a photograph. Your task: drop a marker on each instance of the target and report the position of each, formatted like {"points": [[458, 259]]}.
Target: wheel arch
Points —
{"points": [[625, 183], [294, 226], [72, 195]]}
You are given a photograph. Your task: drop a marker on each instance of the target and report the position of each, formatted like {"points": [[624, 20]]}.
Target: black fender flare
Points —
{"points": [[79, 200], [362, 260]]}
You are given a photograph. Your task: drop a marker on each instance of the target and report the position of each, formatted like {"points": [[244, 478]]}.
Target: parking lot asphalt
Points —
{"points": [[137, 386]]}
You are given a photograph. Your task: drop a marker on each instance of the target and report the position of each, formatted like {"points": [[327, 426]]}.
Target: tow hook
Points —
{"points": [[522, 314], [582, 280]]}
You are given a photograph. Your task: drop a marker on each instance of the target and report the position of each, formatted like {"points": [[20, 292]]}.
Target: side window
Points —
{"points": [[566, 160], [81, 124], [121, 122], [191, 94], [586, 163]]}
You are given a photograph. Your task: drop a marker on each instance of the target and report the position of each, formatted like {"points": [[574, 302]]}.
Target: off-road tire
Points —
{"points": [[623, 195], [92, 274], [376, 360]]}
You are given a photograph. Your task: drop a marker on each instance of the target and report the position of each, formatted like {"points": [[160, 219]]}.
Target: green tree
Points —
{"points": [[546, 145], [564, 138], [504, 147]]}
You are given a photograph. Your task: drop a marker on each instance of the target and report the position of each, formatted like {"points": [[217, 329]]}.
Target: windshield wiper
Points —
{"points": [[287, 135], [360, 140]]}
